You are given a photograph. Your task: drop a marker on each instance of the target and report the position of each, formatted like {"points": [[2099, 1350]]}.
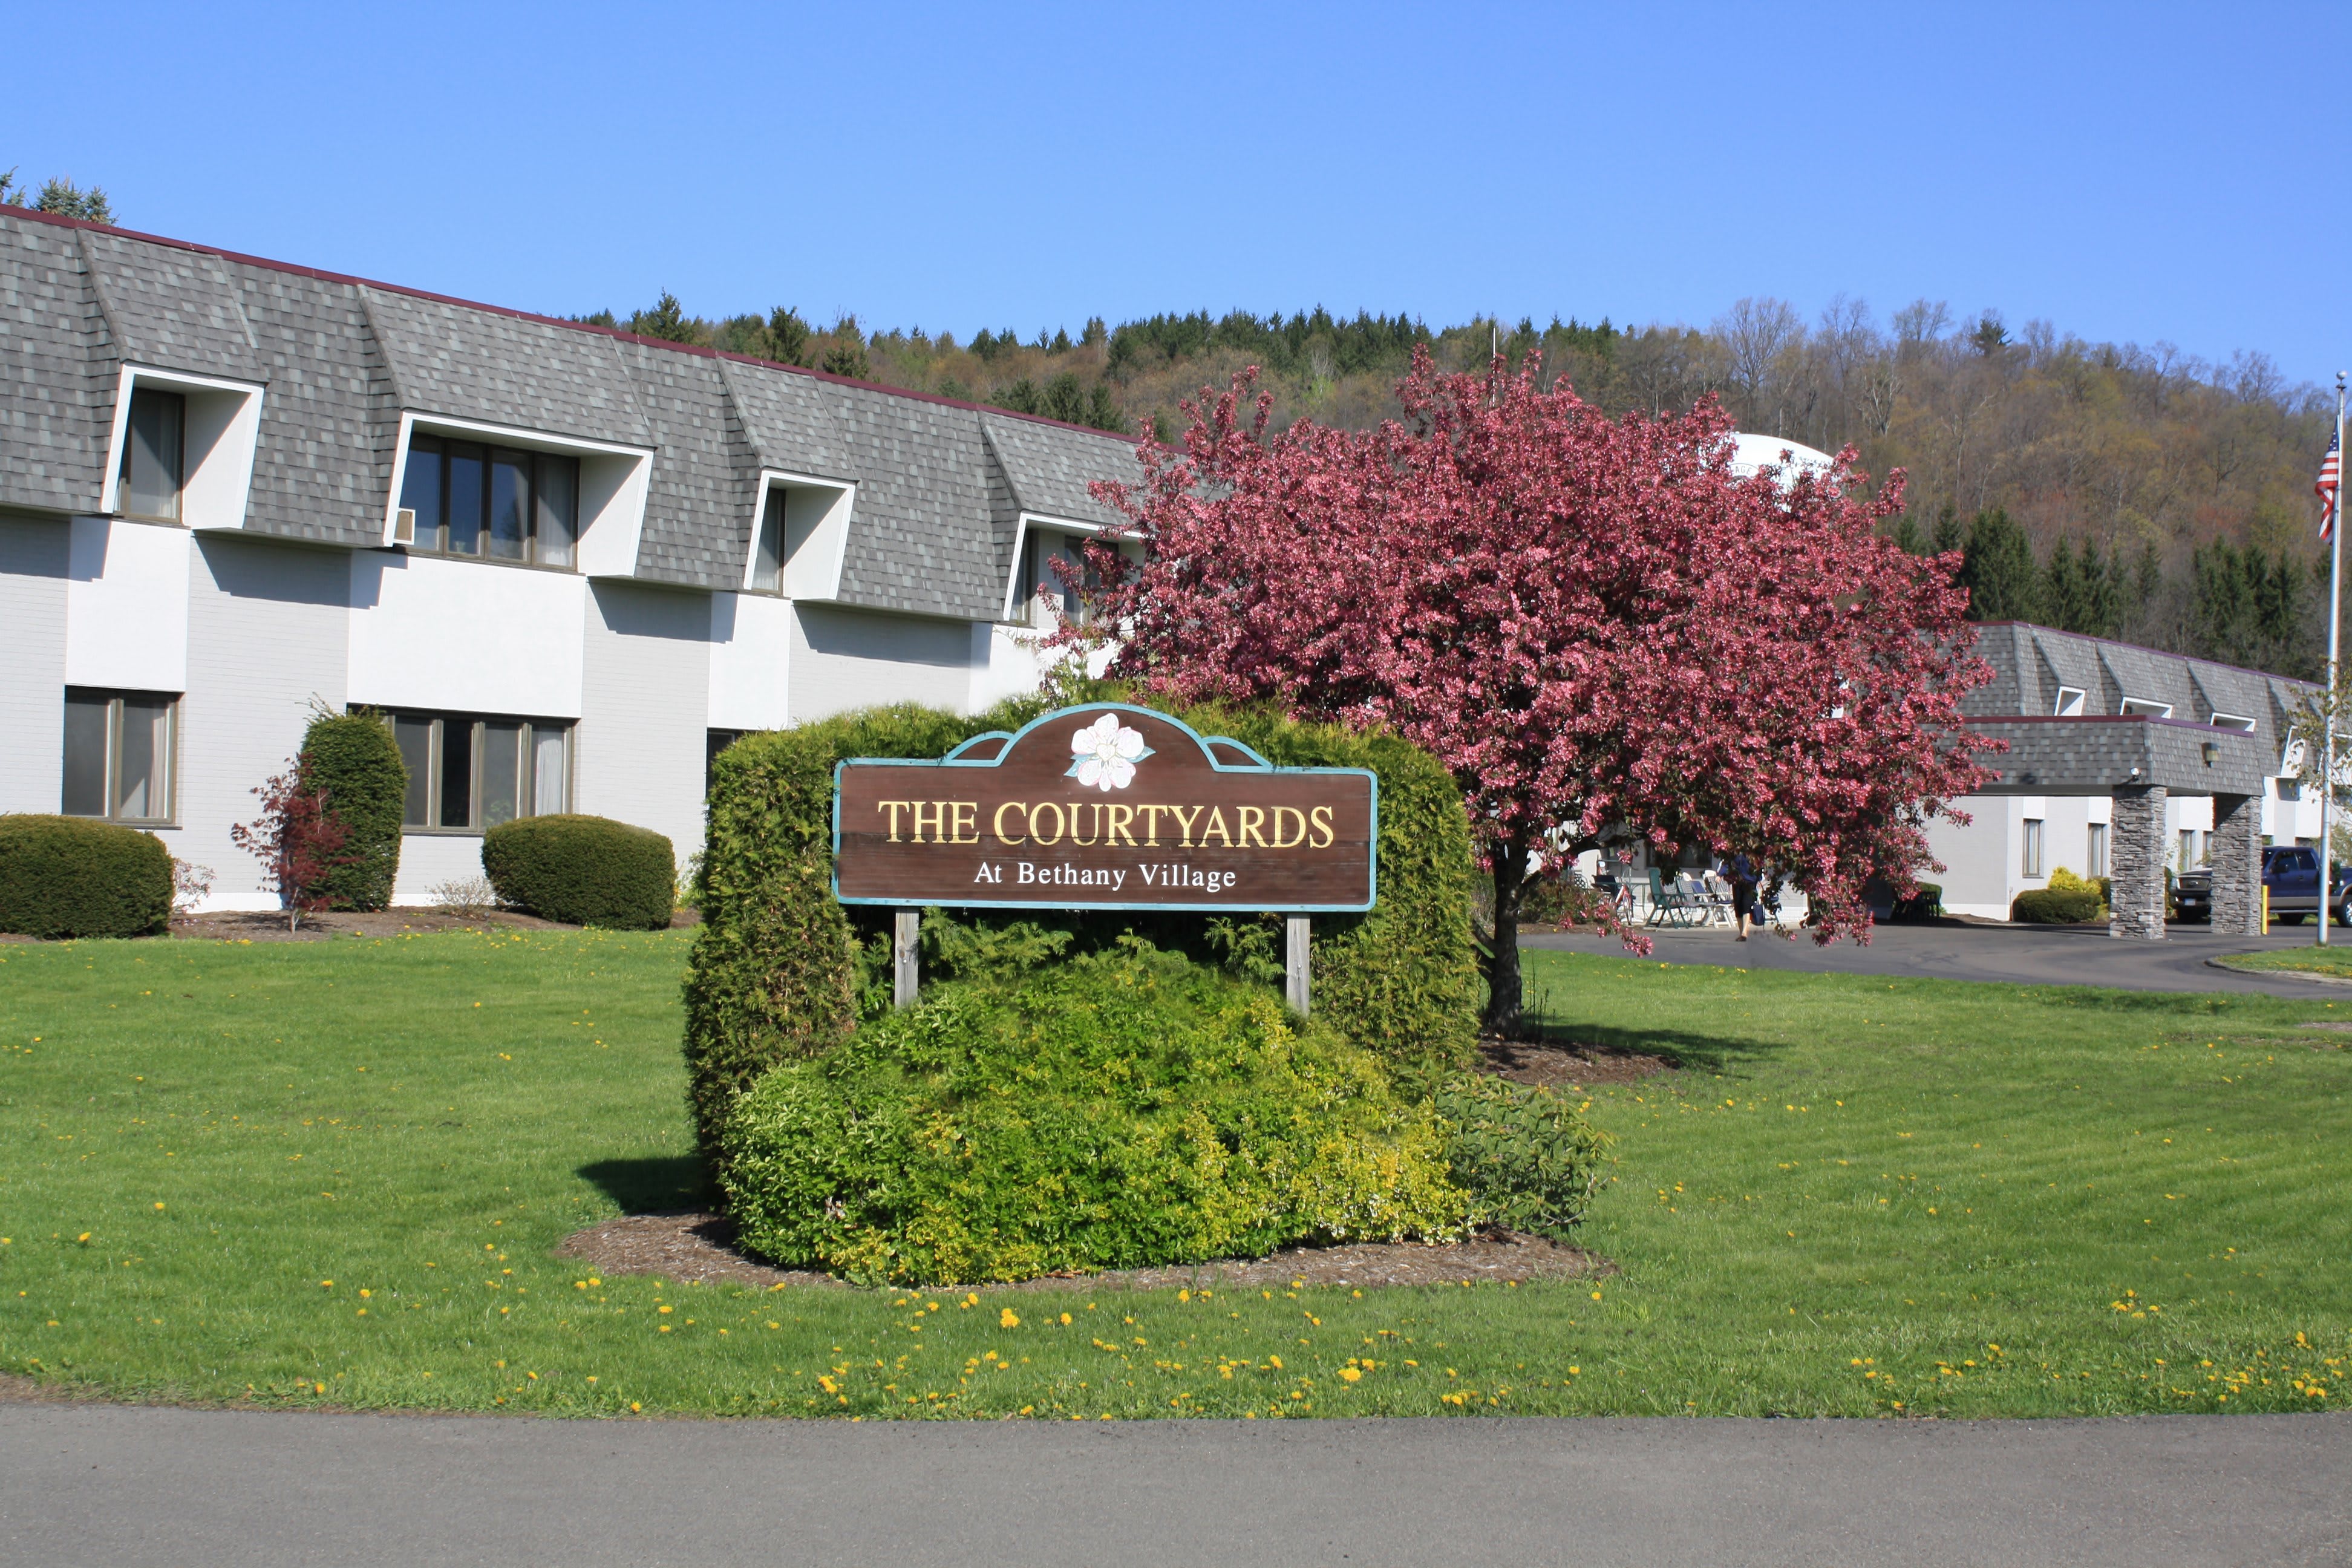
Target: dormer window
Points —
{"points": [[2070, 702], [155, 454], [768, 553], [2233, 721], [797, 544], [2147, 707], [492, 503]]}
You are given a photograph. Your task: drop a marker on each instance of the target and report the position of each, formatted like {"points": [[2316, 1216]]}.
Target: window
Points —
{"points": [[715, 743], [2095, 850], [153, 455], [2233, 721], [118, 754], [2289, 789], [768, 551], [468, 775], [492, 503], [2188, 858], [2032, 864], [2070, 703], [2147, 707]]}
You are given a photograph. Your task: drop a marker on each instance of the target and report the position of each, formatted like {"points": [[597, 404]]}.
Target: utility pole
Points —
{"points": [[2327, 714]]}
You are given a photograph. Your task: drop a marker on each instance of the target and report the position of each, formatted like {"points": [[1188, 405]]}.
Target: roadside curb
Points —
{"points": [[2224, 964]]}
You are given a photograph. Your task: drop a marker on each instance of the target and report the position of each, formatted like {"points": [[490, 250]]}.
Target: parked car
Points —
{"points": [[2292, 874], [2192, 895]]}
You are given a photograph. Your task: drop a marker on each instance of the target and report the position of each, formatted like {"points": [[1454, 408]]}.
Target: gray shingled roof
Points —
{"points": [[2031, 663], [939, 484]]}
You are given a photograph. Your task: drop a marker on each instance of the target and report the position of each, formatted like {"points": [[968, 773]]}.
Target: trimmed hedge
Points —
{"points": [[1113, 1109], [583, 870], [354, 759], [776, 969], [2055, 906], [72, 877]]}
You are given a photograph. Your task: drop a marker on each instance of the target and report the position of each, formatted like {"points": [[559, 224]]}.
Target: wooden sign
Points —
{"points": [[1105, 806]]}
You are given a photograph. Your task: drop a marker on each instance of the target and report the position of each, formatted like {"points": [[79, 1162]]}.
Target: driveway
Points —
{"points": [[2019, 956], [127, 1486]]}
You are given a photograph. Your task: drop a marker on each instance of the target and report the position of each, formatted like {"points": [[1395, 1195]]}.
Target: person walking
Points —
{"points": [[1742, 876]]}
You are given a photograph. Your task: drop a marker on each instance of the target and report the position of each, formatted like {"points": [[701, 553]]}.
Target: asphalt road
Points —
{"points": [[2027, 955], [127, 1486]]}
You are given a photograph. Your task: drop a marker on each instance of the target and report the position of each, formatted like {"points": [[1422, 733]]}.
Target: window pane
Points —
{"points": [[416, 739], [551, 770], [558, 494], [465, 519], [151, 453], [769, 551], [456, 773], [510, 504], [502, 772], [143, 791], [85, 781], [420, 489]]}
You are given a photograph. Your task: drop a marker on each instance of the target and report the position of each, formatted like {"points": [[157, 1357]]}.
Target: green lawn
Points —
{"points": [[331, 1174], [2335, 959]]}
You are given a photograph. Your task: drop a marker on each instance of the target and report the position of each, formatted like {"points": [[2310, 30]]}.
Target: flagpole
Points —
{"points": [[2334, 634]]}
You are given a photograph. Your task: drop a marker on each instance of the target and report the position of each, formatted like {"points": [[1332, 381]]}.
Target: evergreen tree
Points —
{"points": [[1948, 533], [667, 320], [788, 336], [1997, 571]]}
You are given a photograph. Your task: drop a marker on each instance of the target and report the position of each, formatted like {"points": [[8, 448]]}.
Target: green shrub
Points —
{"points": [[779, 967], [68, 875], [1114, 1109], [583, 871], [354, 759], [2053, 906], [1531, 1162]]}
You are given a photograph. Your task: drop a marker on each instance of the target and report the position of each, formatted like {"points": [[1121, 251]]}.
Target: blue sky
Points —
{"points": [[2138, 173]]}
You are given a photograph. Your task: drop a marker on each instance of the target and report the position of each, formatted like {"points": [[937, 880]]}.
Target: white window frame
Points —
{"points": [[816, 510], [218, 436], [613, 482], [2070, 702], [2233, 721], [1021, 597], [2094, 849], [2145, 708], [2032, 855]]}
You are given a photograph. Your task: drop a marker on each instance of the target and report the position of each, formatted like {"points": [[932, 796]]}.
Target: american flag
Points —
{"points": [[2327, 488]]}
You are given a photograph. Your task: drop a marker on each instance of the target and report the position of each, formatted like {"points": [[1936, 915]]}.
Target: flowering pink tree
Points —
{"points": [[298, 839], [1594, 623]]}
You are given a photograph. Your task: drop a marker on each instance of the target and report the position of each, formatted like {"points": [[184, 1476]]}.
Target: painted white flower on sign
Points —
{"points": [[1107, 751]]}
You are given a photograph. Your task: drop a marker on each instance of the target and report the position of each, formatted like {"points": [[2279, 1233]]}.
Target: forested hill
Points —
{"points": [[2116, 490]]}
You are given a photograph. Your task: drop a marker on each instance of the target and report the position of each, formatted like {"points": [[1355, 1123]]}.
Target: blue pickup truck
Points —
{"points": [[2292, 874]]}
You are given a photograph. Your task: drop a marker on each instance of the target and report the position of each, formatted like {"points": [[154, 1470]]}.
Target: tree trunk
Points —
{"points": [[1504, 991]]}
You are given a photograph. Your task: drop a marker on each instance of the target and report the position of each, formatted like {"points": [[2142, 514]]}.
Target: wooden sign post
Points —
{"points": [[1105, 806]]}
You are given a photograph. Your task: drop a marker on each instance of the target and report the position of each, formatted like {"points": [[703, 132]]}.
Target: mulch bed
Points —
{"points": [[699, 1248], [1565, 1063]]}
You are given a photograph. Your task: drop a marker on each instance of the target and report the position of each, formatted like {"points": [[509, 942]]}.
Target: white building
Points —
{"points": [[570, 562], [2085, 715]]}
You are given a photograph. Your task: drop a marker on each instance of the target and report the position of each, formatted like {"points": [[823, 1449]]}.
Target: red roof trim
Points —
{"points": [[324, 276]]}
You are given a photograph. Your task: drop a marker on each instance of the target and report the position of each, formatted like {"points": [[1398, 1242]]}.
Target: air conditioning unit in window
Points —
{"points": [[403, 526]]}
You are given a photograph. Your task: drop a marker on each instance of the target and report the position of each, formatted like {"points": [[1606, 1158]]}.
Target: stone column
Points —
{"points": [[2235, 849], [2136, 863]]}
